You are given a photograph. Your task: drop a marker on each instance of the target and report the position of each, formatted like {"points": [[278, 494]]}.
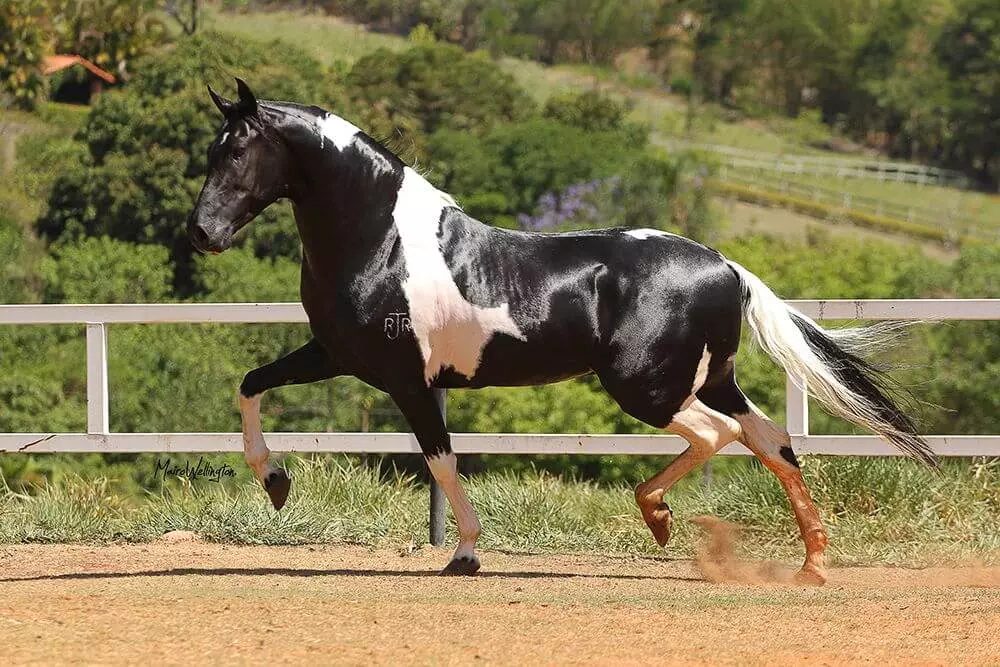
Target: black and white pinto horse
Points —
{"points": [[656, 316]]}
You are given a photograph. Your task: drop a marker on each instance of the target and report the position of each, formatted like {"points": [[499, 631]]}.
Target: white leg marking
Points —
{"points": [[449, 330], [704, 428], [761, 432], [255, 450], [444, 469]]}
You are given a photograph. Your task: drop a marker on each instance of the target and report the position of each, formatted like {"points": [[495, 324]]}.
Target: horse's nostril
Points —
{"points": [[199, 237]]}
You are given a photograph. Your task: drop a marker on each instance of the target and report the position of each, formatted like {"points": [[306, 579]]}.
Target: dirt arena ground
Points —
{"points": [[192, 602]]}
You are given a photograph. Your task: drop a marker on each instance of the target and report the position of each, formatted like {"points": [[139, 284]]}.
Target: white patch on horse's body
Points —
{"points": [[444, 468], [450, 331], [645, 233], [337, 130], [700, 375], [225, 135]]}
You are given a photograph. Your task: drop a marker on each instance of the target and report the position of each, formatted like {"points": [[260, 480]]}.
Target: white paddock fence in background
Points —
{"points": [[99, 438]]}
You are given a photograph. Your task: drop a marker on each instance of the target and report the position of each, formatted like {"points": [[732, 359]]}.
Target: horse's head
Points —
{"points": [[248, 169]]}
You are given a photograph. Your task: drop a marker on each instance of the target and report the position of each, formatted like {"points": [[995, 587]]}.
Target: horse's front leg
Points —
{"points": [[421, 412], [309, 363]]}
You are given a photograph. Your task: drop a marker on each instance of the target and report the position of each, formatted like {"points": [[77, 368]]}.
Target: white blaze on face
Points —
{"points": [[449, 330], [339, 131], [445, 470], [643, 234]]}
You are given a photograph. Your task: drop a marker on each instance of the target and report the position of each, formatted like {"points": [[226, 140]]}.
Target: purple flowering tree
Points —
{"points": [[581, 205]]}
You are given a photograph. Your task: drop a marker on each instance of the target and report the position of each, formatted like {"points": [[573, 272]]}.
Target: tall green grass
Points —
{"points": [[877, 511]]}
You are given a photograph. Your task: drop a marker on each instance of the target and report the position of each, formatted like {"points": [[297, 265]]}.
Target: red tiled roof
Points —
{"points": [[53, 64]]}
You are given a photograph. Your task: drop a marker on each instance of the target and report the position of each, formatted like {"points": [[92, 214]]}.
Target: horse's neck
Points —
{"points": [[343, 207]]}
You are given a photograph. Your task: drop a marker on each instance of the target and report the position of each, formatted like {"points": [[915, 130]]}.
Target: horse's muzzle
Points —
{"points": [[205, 241]]}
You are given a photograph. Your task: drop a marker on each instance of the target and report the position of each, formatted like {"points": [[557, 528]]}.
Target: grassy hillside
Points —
{"points": [[326, 38]]}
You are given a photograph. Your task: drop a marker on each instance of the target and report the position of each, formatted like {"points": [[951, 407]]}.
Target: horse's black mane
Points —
{"points": [[287, 107]]}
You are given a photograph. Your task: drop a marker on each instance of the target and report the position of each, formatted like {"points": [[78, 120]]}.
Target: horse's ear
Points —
{"points": [[247, 103], [224, 105]]}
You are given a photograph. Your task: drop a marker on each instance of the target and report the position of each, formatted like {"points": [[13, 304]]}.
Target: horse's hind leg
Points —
{"points": [[706, 431], [309, 363], [772, 445]]}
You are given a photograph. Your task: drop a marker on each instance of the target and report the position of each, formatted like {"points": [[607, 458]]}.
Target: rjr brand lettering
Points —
{"points": [[397, 324]]}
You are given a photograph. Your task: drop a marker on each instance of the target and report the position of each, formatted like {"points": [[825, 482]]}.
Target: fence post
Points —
{"points": [[438, 501], [796, 408], [97, 378]]}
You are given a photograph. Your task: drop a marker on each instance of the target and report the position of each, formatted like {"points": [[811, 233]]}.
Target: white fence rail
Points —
{"points": [[98, 437], [824, 165]]}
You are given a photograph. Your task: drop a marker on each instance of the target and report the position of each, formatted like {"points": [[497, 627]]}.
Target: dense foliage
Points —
{"points": [[146, 148], [23, 45], [110, 33], [407, 96], [920, 78]]}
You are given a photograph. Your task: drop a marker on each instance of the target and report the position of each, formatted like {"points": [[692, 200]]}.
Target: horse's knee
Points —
{"points": [[251, 385]]}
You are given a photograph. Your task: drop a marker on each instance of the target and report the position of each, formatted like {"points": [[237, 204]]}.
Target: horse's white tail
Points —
{"points": [[829, 361]]}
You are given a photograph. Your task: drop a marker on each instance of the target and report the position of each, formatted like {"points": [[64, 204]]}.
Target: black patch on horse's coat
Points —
{"points": [[309, 363], [724, 395], [789, 455]]}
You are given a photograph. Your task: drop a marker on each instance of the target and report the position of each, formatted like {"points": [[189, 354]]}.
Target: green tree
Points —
{"points": [[24, 42], [968, 51], [105, 270], [407, 96], [522, 161], [146, 148], [963, 358], [590, 110], [713, 33], [110, 33], [17, 273]]}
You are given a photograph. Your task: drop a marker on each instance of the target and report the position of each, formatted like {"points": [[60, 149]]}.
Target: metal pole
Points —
{"points": [[438, 501]]}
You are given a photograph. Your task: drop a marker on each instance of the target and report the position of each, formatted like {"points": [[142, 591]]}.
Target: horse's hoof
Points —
{"points": [[660, 519], [810, 575], [463, 566], [277, 484]]}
